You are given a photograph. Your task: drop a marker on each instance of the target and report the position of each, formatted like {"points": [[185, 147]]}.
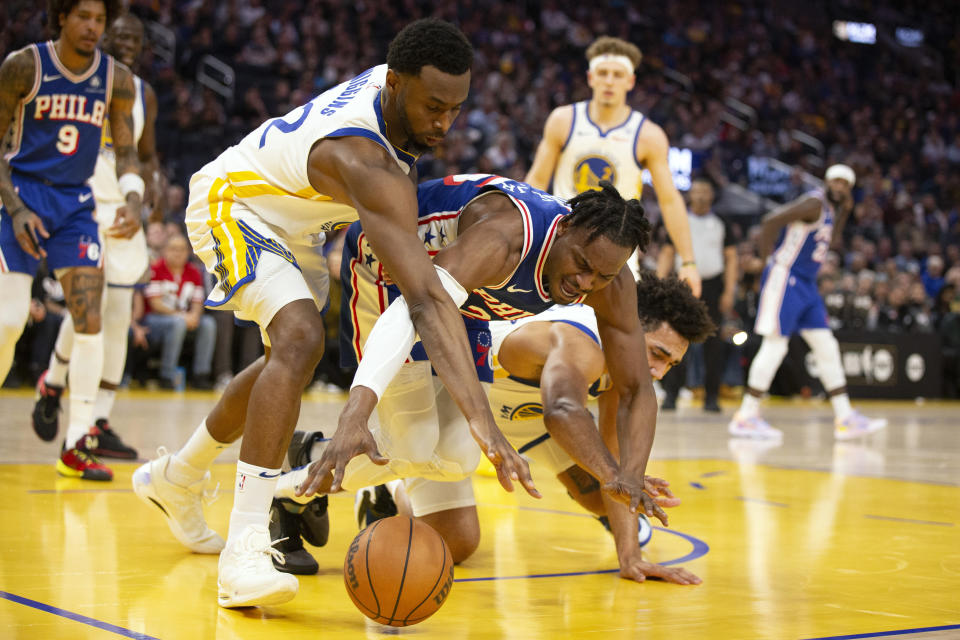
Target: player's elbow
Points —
{"points": [[560, 411]]}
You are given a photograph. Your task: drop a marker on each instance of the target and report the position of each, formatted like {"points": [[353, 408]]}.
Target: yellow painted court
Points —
{"points": [[811, 539]]}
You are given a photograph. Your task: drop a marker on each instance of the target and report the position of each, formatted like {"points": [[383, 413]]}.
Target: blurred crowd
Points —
{"points": [[729, 81]]}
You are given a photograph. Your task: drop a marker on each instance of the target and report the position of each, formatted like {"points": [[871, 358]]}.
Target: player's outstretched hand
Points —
{"points": [[125, 225], [351, 439], [28, 229], [633, 568], [660, 490], [510, 466], [632, 493]]}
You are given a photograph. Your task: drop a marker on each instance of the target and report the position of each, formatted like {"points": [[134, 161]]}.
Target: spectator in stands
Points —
{"points": [[174, 310], [933, 276]]}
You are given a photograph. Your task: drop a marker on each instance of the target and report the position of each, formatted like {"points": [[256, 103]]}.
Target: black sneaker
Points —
{"points": [[285, 534], [109, 444], [710, 405], [46, 411], [372, 504], [669, 403], [314, 519]]}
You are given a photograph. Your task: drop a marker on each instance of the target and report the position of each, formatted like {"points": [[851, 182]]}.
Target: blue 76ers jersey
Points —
{"points": [[368, 290], [802, 246], [524, 292], [58, 126]]}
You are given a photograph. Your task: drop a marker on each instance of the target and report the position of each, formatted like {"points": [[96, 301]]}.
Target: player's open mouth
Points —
{"points": [[568, 292], [433, 140]]}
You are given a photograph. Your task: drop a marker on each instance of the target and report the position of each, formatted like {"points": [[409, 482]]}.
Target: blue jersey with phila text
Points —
{"points": [[59, 124], [802, 246]]}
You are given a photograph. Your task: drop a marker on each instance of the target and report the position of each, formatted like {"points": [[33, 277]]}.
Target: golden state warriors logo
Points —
{"points": [[525, 411], [590, 171], [330, 227]]}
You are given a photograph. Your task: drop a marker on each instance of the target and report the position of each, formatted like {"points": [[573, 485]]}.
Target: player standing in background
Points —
{"points": [[790, 303], [257, 217], [605, 139], [125, 259], [58, 95], [715, 252]]}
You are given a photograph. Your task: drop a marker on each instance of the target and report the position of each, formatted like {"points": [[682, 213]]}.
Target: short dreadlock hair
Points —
{"points": [[57, 7], [430, 42], [670, 300], [606, 213]]}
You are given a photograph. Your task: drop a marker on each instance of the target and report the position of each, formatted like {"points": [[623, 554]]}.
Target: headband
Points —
{"points": [[611, 57], [843, 172]]}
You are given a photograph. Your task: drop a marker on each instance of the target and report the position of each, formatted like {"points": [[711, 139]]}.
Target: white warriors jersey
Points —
{"points": [[578, 315], [590, 155], [104, 179], [267, 170]]}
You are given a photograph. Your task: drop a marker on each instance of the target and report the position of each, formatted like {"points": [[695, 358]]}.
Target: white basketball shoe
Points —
{"points": [[247, 576], [857, 425], [182, 506], [753, 427]]}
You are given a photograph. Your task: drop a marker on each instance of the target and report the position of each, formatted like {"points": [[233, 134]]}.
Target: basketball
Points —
{"points": [[398, 571]]}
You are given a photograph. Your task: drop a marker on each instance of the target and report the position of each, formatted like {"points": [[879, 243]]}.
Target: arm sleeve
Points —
{"points": [[392, 338]]}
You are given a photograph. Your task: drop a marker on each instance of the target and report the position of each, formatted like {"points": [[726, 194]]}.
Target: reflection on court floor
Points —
{"points": [[810, 539]]}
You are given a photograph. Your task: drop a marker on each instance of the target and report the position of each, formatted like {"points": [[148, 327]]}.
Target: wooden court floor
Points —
{"points": [[811, 539]]}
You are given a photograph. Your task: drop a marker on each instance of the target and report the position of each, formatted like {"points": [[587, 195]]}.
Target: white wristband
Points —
{"points": [[454, 288], [131, 183]]}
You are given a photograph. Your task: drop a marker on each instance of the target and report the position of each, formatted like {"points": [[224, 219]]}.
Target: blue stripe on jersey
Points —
{"points": [[587, 330], [60, 132]]}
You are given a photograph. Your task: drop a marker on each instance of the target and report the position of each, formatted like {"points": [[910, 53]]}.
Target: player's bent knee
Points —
{"points": [[460, 529]]}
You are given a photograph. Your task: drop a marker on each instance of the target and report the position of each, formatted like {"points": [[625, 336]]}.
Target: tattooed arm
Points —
{"points": [[17, 76], [121, 130]]}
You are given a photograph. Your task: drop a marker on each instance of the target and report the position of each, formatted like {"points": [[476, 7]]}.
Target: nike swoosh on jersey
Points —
{"points": [[513, 289], [83, 197], [264, 474], [47, 78]]}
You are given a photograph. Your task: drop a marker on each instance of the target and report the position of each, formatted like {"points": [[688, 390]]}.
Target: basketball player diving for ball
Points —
{"points": [[518, 250], [555, 364]]}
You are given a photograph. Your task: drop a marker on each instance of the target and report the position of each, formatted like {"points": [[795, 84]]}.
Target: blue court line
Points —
{"points": [[76, 617], [909, 520], [697, 485], [700, 549], [761, 501], [898, 632], [710, 474]]}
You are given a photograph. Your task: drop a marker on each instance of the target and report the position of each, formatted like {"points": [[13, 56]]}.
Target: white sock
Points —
{"points": [[57, 369], [287, 486], [253, 493], [86, 365], [841, 406], [103, 405], [189, 465], [749, 406]]}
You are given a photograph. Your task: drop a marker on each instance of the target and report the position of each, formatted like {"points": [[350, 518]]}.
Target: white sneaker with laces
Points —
{"points": [[857, 425], [247, 575], [182, 506], [753, 427]]}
